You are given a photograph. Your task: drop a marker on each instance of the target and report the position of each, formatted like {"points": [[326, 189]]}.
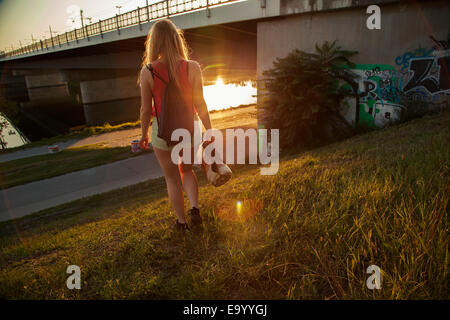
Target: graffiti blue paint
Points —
{"points": [[419, 75], [404, 59], [427, 78], [422, 75]]}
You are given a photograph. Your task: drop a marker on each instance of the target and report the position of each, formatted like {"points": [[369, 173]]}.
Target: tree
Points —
{"points": [[303, 94]]}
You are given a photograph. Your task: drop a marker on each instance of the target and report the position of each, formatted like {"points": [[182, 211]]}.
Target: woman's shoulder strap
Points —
{"points": [[187, 67], [154, 73]]}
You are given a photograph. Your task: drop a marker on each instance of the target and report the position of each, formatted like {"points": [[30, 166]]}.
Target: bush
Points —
{"points": [[303, 95]]}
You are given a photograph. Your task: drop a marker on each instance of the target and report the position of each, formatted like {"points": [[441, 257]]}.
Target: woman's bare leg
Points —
{"points": [[190, 184], [173, 182]]}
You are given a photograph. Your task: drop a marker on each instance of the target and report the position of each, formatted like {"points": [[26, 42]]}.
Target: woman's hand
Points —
{"points": [[143, 144]]}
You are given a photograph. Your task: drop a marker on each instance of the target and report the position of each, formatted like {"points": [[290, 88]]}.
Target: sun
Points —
{"points": [[223, 95], [219, 82]]}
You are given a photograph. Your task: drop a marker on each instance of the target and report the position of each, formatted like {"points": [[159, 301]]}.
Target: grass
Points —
{"points": [[20, 171], [78, 134], [308, 232]]}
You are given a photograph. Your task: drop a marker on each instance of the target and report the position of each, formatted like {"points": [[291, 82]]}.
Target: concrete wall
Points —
{"points": [[110, 100], [13, 87], [52, 102], [302, 6], [46, 86], [403, 28], [404, 37]]}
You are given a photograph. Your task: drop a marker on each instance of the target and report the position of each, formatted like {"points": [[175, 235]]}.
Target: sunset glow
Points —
{"points": [[222, 95]]}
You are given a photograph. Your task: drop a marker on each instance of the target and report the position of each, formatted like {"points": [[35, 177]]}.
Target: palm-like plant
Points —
{"points": [[303, 93]]}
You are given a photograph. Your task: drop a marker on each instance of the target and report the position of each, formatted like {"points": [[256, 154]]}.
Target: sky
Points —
{"points": [[20, 19]]}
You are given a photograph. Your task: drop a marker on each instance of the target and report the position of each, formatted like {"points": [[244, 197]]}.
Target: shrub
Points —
{"points": [[303, 93]]}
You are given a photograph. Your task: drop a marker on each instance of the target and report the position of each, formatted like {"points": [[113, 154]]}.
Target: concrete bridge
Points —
{"points": [[89, 75]]}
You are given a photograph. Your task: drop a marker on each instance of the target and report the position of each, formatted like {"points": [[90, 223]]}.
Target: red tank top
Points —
{"points": [[159, 85]]}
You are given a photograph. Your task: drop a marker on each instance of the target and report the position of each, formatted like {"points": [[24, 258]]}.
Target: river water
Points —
{"points": [[225, 95], [11, 135], [217, 96]]}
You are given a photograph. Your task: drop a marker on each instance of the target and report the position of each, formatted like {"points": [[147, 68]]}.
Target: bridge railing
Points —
{"points": [[158, 10]]}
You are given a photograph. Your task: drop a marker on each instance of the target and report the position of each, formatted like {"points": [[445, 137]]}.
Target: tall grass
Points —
{"points": [[308, 232]]}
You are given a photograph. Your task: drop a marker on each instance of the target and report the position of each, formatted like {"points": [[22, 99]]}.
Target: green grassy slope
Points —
{"points": [[309, 231]]}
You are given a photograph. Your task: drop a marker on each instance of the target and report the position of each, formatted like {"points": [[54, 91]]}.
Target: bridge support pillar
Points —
{"points": [[111, 100], [52, 103], [13, 87], [46, 86]]}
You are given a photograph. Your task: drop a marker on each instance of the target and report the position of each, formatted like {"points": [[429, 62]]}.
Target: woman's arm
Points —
{"points": [[198, 98], [146, 82]]}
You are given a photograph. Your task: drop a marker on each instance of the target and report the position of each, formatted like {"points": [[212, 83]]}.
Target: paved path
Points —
{"points": [[31, 197], [30, 152], [25, 199], [111, 139]]}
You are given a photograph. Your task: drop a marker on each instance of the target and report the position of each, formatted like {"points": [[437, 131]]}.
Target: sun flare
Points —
{"points": [[224, 95]]}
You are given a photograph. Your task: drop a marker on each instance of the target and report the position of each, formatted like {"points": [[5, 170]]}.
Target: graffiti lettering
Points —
{"points": [[369, 88], [404, 59], [422, 75], [378, 90], [428, 78]]}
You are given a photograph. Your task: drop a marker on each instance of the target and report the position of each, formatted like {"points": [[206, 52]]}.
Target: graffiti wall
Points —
{"points": [[379, 96], [418, 75], [426, 77]]}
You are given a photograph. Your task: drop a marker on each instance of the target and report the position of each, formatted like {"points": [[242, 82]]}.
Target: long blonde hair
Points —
{"points": [[165, 40]]}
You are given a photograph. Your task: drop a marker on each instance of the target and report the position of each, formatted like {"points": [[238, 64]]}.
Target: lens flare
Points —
{"points": [[225, 95], [238, 210], [238, 206]]}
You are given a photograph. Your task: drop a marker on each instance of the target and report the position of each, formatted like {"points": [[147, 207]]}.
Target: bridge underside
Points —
{"points": [[98, 84], [233, 45]]}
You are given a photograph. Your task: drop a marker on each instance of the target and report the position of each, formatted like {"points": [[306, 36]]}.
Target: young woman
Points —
{"points": [[166, 51]]}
